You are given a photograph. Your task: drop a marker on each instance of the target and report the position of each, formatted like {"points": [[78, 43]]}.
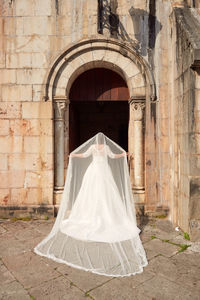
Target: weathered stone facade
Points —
{"points": [[153, 45]]}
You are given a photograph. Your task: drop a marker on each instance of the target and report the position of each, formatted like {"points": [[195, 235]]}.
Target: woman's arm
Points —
{"points": [[82, 155], [113, 155], [121, 155], [76, 155]]}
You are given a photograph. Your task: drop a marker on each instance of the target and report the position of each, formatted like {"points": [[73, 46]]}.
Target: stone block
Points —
{"points": [[43, 8], [194, 226], [30, 76], [5, 275], [13, 290], [164, 126], [5, 144], [25, 127], [8, 76], [47, 195], [12, 178], [84, 280], [38, 92], [34, 196], [37, 110], [2, 60], [65, 8], [131, 71], [33, 179], [164, 143], [29, 269], [47, 144], [4, 127], [64, 28], [47, 179], [39, 60], [39, 25], [9, 27], [32, 144], [10, 110], [18, 196], [17, 93], [35, 43], [4, 196], [58, 288], [47, 161], [7, 8], [138, 80], [16, 144], [156, 247], [24, 8], [46, 127], [23, 161], [18, 60], [140, 91], [3, 161]]}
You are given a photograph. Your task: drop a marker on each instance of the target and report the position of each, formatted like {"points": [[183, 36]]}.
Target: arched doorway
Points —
{"points": [[98, 103]]}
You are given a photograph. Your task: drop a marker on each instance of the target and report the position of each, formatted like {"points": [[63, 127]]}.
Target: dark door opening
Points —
{"points": [[88, 118], [98, 103]]}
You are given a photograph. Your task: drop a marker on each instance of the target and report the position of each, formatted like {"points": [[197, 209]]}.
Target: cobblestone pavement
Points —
{"points": [[173, 271]]}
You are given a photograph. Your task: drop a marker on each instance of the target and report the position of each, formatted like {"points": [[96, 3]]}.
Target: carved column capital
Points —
{"points": [[60, 104], [138, 109]]}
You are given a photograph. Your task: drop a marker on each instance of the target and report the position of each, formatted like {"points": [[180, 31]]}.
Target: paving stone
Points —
{"points": [[44, 228], [163, 266], [134, 281], [15, 226], [29, 269], [156, 247], [31, 243], [2, 230], [145, 237], [5, 275], [160, 288], [84, 280], [179, 239], [171, 275], [188, 270], [59, 288], [27, 234], [10, 246], [13, 291], [195, 247], [116, 289]]}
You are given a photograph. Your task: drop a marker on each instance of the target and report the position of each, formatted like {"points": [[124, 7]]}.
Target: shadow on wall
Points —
{"points": [[145, 24]]}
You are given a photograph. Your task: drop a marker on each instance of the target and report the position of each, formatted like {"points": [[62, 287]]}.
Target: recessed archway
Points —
{"points": [[125, 61], [98, 102]]}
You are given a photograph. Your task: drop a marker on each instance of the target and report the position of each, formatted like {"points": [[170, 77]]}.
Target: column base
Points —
{"points": [[57, 196]]}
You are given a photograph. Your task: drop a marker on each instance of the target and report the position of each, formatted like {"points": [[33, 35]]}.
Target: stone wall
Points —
{"points": [[35, 34], [185, 154]]}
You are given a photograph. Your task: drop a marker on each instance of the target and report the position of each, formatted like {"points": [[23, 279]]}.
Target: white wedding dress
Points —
{"points": [[98, 213], [96, 229]]}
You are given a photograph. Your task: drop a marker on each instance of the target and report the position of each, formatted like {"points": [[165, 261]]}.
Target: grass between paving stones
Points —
{"points": [[183, 247], [186, 236]]}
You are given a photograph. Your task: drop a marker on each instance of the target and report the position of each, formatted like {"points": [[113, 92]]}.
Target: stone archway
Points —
{"points": [[121, 59]]}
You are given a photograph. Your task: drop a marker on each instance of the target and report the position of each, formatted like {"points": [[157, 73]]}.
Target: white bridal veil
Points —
{"points": [[95, 229]]}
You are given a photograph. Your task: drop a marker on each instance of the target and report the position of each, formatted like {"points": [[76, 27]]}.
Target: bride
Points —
{"points": [[96, 229]]}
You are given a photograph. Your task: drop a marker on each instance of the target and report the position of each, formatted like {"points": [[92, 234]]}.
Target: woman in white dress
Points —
{"points": [[96, 229]]}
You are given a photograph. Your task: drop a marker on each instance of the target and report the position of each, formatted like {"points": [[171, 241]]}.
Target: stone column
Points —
{"points": [[60, 103], [137, 107]]}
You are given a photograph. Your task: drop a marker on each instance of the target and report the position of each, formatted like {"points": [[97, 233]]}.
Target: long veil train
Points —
{"points": [[96, 229]]}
